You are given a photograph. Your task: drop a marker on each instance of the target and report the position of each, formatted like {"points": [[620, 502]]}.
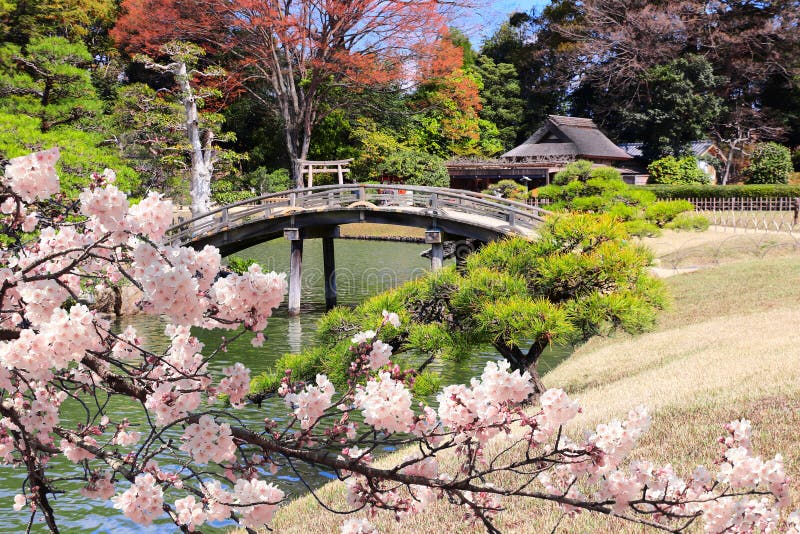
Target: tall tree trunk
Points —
{"points": [[202, 151]]}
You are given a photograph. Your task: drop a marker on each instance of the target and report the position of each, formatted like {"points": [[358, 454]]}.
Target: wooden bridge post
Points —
{"points": [[295, 269], [329, 268], [433, 237]]}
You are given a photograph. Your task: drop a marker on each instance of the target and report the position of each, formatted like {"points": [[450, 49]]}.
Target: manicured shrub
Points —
{"points": [[606, 173], [771, 164], [688, 221], [665, 211], [718, 191], [508, 189], [577, 170], [670, 170]]}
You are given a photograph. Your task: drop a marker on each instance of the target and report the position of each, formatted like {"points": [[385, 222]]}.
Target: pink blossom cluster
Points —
{"points": [[33, 176], [385, 403], [74, 452], [557, 409], [40, 415], [173, 280], [480, 410], [183, 357], [124, 348], [190, 512], [215, 506], [380, 354], [208, 441], [250, 297], [108, 206], [311, 403], [256, 501], [109, 212], [152, 216], [143, 501], [63, 339], [236, 384], [170, 401]]}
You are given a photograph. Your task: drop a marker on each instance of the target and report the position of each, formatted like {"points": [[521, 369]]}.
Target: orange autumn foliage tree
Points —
{"points": [[304, 58], [314, 56], [144, 26]]}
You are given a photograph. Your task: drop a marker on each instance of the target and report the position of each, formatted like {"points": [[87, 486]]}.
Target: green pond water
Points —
{"points": [[364, 268]]}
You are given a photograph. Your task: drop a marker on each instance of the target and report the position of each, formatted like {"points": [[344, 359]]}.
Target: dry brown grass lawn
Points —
{"points": [[728, 348], [381, 230], [698, 250]]}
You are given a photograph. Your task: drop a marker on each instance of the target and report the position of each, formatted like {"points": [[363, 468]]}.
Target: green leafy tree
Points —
{"points": [[771, 164], [49, 81], [448, 121], [671, 170], [47, 100], [85, 21], [537, 45], [501, 103], [679, 106], [414, 168], [83, 152]]}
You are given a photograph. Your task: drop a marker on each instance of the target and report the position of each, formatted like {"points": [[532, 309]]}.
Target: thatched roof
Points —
{"points": [[568, 138]]}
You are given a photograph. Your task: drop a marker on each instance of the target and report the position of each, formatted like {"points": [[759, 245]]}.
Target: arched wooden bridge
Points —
{"points": [[317, 212]]}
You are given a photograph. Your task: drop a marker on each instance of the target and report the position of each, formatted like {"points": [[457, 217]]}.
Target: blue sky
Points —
{"points": [[493, 13]]}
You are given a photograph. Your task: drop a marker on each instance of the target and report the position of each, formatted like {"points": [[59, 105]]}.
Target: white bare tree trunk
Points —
{"points": [[201, 146]]}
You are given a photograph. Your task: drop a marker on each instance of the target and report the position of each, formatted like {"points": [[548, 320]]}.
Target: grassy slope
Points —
{"points": [[729, 348]]}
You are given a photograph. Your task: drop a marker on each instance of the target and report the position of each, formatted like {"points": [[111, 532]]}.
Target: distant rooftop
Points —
{"points": [[570, 138], [697, 148]]}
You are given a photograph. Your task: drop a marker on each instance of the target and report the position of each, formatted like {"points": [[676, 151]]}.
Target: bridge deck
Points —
{"points": [[461, 212]]}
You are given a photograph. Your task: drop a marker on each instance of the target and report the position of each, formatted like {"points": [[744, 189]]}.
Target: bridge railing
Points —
{"points": [[429, 200]]}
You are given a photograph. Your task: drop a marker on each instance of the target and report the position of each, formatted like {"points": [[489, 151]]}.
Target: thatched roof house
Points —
{"points": [[560, 140], [564, 139]]}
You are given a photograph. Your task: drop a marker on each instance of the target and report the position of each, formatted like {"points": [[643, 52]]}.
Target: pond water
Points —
{"points": [[364, 268]]}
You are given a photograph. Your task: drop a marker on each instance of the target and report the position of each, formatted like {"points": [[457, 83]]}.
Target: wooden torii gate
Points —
{"points": [[310, 168]]}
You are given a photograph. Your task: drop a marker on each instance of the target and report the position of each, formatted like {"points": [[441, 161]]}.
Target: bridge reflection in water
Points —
{"points": [[317, 212]]}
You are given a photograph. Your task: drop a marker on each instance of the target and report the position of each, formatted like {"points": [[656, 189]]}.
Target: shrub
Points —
{"points": [[665, 211], [670, 170], [228, 192], [415, 168], [771, 164], [714, 191], [269, 181], [606, 173], [508, 189], [577, 170], [688, 221], [642, 228]]}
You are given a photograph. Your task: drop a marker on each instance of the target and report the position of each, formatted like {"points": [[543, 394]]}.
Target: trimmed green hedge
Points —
{"points": [[722, 191]]}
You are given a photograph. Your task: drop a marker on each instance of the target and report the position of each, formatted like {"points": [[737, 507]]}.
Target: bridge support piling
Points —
{"points": [[329, 267], [437, 256], [295, 271], [433, 237]]}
